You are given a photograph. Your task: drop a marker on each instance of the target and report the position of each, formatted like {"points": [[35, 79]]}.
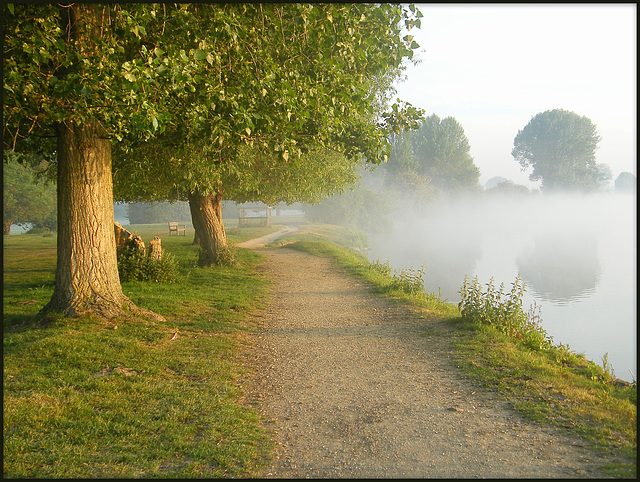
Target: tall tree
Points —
{"points": [[433, 158], [560, 146], [402, 175], [75, 77], [276, 87], [442, 151]]}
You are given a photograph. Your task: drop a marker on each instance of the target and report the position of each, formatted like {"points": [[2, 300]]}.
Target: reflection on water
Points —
{"points": [[457, 260], [576, 254], [562, 267]]}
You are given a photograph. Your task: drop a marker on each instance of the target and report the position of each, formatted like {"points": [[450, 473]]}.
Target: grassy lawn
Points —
{"points": [[86, 398]]}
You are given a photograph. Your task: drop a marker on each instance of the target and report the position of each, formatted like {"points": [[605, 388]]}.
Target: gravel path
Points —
{"points": [[353, 385]]}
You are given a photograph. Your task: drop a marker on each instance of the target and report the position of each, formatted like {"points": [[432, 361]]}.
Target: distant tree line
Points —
{"points": [[434, 162], [626, 182], [28, 197], [158, 212]]}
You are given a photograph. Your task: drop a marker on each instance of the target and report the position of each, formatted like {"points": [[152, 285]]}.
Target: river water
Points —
{"points": [[577, 255]]}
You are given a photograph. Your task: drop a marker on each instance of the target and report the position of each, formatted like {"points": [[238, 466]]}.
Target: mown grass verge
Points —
{"points": [[85, 398], [553, 386]]}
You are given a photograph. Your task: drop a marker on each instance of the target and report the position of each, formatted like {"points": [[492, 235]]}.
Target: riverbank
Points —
{"points": [[556, 388], [355, 385]]}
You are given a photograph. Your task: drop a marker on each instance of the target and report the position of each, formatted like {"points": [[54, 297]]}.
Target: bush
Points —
{"points": [[504, 311], [45, 232], [409, 280], [358, 209], [133, 265]]}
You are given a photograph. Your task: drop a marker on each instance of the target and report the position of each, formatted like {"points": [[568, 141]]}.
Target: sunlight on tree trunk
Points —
{"points": [[206, 213], [87, 277]]}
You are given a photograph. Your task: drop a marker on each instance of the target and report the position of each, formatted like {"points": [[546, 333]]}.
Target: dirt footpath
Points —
{"points": [[353, 385]]}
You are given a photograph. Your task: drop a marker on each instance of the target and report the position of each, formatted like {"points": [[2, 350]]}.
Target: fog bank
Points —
{"points": [[576, 253]]}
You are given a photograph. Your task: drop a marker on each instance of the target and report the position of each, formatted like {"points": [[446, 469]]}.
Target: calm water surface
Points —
{"points": [[577, 255]]}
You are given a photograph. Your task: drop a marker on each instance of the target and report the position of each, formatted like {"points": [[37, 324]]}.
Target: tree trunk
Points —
{"points": [[206, 214], [196, 238], [6, 227], [87, 279]]}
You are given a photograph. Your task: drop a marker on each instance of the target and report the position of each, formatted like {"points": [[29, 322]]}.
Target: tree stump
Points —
{"points": [[122, 237], [137, 244], [126, 239], [155, 249]]}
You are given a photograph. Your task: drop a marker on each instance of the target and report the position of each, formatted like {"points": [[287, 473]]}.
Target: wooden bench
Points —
{"points": [[174, 227]]}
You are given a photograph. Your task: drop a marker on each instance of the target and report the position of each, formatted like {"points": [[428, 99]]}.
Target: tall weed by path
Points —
{"points": [[504, 311], [407, 280]]}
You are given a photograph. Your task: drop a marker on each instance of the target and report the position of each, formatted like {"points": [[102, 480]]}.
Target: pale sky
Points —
{"points": [[495, 66]]}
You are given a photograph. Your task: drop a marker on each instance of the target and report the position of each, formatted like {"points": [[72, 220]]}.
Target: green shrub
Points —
{"points": [[504, 311], [382, 268], [409, 280], [133, 265]]}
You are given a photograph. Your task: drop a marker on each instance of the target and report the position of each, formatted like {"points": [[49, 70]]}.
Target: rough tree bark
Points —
{"points": [[87, 279], [206, 215], [87, 269]]}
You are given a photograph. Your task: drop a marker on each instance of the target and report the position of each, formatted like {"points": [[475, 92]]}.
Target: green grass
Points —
{"points": [[325, 232], [555, 386], [562, 389], [87, 398]]}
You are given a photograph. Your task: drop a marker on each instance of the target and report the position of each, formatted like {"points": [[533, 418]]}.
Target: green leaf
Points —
{"points": [[154, 121], [10, 7], [199, 55]]}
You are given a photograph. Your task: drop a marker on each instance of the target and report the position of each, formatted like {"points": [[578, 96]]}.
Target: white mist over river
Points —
{"points": [[576, 253]]}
